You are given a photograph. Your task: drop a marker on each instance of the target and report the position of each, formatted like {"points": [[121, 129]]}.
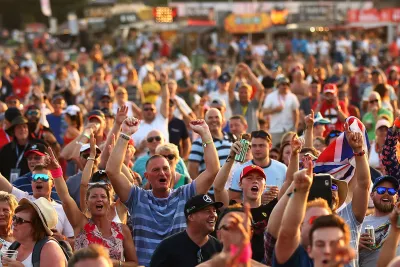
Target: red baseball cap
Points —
{"points": [[252, 168], [330, 88]]}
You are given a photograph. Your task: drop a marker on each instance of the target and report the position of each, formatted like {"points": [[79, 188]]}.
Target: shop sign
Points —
{"points": [[317, 12], [374, 15], [247, 23], [127, 18]]}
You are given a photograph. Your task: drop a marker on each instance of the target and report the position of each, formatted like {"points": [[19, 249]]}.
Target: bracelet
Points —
{"points": [[359, 154], [57, 173], [207, 143], [89, 158], [86, 135], [125, 136]]}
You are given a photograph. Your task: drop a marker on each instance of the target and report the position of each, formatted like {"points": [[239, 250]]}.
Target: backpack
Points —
{"points": [[64, 245]]}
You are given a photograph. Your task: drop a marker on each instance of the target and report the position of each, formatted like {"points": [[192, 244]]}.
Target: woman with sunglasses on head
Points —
{"points": [[171, 153], [98, 228], [118, 212], [8, 203]]}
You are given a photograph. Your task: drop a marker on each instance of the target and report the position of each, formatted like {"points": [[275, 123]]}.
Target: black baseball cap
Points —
{"points": [[198, 203], [384, 178], [12, 113], [38, 149], [224, 77], [96, 113]]}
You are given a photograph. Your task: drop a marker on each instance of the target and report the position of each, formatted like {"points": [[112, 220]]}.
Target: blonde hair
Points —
{"points": [[121, 89], [10, 199], [318, 203], [168, 147]]}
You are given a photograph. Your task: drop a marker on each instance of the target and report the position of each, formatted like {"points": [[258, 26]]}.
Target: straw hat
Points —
{"points": [[46, 212]]}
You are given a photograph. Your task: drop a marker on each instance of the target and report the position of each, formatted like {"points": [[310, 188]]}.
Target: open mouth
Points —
{"points": [[385, 200], [39, 186], [254, 189], [163, 180], [211, 221], [99, 207]]}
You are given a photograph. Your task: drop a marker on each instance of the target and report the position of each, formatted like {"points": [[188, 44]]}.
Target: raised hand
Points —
{"points": [[355, 139], [296, 144], [200, 127], [130, 126], [163, 77], [309, 120], [92, 146], [122, 114], [235, 149], [341, 255], [303, 179], [112, 145], [51, 162], [269, 195]]}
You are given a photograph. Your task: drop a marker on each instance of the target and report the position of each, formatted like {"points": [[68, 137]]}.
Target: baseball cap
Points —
{"points": [[87, 147], [382, 123], [12, 113], [330, 88], [106, 96], [319, 119], [252, 168], [281, 80], [219, 102], [199, 202], [386, 178], [38, 149], [224, 77], [96, 113], [72, 110]]}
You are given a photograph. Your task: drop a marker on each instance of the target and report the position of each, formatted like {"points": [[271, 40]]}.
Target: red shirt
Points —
{"points": [[21, 86], [4, 138], [328, 111]]}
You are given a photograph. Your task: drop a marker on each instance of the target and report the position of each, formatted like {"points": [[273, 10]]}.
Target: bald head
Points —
{"points": [[213, 112], [154, 138], [214, 120]]}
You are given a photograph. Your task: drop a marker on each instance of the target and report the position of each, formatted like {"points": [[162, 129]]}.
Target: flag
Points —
{"points": [[338, 158]]}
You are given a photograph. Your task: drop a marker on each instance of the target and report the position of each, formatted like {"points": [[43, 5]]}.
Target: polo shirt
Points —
{"points": [[275, 172], [156, 218]]}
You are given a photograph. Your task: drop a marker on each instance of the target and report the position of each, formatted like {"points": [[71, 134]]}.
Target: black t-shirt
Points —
{"points": [[179, 250], [177, 131], [260, 219]]}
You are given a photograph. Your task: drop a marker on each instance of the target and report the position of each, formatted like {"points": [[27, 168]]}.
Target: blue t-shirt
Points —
{"points": [[24, 183], [74, 185], [154, 219], [56, 125], [275, 172], [299, 258]]}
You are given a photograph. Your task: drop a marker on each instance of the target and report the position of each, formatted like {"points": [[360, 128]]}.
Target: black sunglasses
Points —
{"points": [[169, 157], [199, 256], [19, 220], [374, 101], [148, 109], [151, 139], [261, 134], [382, 190]]}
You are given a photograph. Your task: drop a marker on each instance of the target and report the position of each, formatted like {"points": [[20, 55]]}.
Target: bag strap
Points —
{"points": [[37, 249]]}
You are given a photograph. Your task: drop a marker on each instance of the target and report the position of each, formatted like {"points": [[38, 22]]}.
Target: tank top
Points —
{"points": [[28, 261], [374, 160], [90, 234], [116, 218]]}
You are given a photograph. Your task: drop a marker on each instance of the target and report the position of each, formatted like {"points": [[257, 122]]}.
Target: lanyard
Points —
{"points": [[244, 110], [19, 155]]}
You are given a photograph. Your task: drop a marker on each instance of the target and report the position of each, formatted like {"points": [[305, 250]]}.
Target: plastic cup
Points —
{"points": [[12, 254]]}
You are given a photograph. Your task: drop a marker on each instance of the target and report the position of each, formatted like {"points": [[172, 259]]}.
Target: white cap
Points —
{"points": [[87, 147], [72, 110], [382, 122]]}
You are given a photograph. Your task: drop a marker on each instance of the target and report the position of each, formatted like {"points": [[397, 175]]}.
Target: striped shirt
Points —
{"points": [[154, 219], [223, 148]]}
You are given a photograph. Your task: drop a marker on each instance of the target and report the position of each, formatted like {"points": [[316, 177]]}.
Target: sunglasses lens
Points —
{"points": [[158, 138], [381, 190], [150, 139], [334, 187], [392, 191]]}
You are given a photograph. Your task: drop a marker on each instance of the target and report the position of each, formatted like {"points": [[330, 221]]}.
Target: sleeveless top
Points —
{"points": [[374, 159], [116, 218], [90, 234]]}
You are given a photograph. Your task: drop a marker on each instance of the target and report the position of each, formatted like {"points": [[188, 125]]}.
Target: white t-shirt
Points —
{"points": [[223, 96], [159, 123], [323, 47], [343, 45], [312, 48], [282, 121], [181, 102], [260, 50], [128, 104], [63, 226]]}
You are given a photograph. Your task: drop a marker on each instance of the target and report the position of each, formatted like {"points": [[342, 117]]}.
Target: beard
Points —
{"points": [[387, 207]]}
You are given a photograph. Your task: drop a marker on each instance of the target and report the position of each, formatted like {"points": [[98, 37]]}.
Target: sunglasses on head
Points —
{"points": [[169, 157], [260, 134], [374, 101], [40, 176], [382, 190], [102, 182], [19, 220], [334, 187], [151, 139]]}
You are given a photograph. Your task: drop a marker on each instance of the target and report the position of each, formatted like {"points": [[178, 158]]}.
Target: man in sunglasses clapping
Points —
{"points": [[384, 195]]}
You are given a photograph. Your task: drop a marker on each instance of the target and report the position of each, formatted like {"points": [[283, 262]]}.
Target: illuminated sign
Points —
{"points": [[247, 23], [165, 14]]}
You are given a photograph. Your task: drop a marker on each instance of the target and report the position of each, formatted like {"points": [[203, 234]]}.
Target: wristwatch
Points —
{"points": [[207, 142]]}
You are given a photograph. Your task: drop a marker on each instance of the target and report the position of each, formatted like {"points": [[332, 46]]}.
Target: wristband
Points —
{"points": [[125, 136], [207, 143], [86, 135], [89, 158], [57, 173], [359, 154], [245, 255]]}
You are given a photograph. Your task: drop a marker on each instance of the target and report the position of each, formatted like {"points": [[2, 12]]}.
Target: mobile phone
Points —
{"points": [[321, 188]]}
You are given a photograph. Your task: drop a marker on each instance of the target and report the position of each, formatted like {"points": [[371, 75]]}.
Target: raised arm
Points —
{"points": [[5, 184], [87, 172], [289, 233], [389, 159], [389, 248], [220, 193], [363, 176], [71, 150], [293, 166], [308, 133], [205, 180], [164, 109], [253, 80], [74, 215], [232, 84], [119, 181]]}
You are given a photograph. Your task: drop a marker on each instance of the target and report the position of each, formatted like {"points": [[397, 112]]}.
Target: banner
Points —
{"points": [[374, 15], [45, 7], [247, 23]]}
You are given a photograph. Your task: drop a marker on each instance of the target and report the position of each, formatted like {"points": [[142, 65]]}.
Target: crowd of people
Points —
{"points": [[140, 159]]}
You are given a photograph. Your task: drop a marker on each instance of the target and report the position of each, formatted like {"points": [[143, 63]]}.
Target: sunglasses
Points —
{"points": [[18, 220], [32, 113], [382, 190], [169, 157], [40, 176], [12, 102], [85, 156], [260, 134], [105, 101], [100, 183], [151, 139], [148, 109], [374, 101], [334, 134], [334, 187]]}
